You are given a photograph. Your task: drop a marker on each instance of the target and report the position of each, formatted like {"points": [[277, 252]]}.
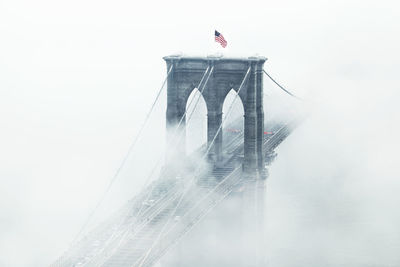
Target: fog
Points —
{"points": [[77, 78]]}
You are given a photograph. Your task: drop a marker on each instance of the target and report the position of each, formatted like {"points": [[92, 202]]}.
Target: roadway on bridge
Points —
{"points": [[151, 223]]}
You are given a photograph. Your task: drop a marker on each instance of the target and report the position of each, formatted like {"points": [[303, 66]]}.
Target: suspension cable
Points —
{"points": [[192, 180], [183, 116], [176, 129], [132, 145], [176, 133], [229, 110], [280, 86]]}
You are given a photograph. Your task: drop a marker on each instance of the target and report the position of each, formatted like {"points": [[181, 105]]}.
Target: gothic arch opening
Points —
{"points": [[233, 123], [196, 121]]}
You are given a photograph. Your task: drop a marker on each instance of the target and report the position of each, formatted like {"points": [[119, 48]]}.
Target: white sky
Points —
{"points": [[76, 78]]}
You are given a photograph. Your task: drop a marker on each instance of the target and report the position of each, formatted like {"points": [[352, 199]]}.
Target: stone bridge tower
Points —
{"points": [[224, 74]]}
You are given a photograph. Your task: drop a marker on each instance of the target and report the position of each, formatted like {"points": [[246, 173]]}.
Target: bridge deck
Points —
{"points": [[147, 226]]}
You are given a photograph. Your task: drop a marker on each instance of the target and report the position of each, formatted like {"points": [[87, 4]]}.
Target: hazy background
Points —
{"points": [[76, 78]]}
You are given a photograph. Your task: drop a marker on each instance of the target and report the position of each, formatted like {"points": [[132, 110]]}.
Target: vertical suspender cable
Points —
{"points": [[227, 113], [176, 132], [174, 135], [180, 122], [124, 159], [203, 158]]}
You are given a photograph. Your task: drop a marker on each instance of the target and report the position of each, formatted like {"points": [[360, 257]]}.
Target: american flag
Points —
{"points": [[220, 39]]}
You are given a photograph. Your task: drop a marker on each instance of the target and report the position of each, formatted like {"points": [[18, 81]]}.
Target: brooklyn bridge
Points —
{"points": [[206, 208]]}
